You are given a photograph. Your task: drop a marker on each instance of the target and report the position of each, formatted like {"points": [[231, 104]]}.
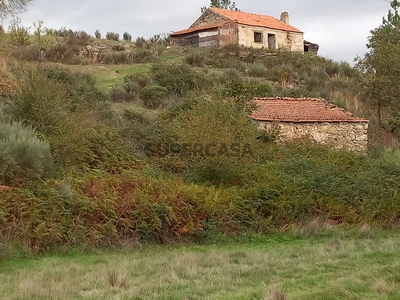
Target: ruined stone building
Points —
{"points": [[314, 119], [222, 27]]}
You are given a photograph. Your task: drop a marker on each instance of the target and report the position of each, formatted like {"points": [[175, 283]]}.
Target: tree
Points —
{"points": [[381, 69], [226, 4], [12, 7]]}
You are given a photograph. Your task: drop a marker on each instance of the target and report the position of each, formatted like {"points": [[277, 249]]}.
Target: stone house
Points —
{"points": [[314, 119], [222, 27]]}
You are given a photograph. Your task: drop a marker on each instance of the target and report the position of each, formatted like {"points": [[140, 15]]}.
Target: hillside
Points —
{"points": [[84, 158]]}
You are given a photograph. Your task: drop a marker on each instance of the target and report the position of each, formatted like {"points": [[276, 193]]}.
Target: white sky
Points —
{"points": [[340, 27]]}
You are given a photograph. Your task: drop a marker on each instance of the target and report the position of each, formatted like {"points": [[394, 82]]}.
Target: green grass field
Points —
{"points": [[337, 264]]}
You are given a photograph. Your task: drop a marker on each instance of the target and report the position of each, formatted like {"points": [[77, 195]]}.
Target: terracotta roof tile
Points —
{"points": [[301, 110], [254, 19], [198, 28]]}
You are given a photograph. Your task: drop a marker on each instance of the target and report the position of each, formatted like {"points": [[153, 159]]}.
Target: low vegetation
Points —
{"points": [[329, 264], [153, 144]]}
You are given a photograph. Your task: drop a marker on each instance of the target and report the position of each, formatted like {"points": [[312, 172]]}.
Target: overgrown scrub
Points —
{"points": [[209, 136], [66, 110], [284, 185], [104, 209]]}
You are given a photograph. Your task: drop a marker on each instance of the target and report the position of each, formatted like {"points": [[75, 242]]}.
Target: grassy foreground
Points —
{"points": [[355, 264]]}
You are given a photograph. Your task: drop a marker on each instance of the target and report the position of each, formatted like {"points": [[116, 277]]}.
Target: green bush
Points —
{"points": [[235, 64], [212, 137], [65, 109], [152, 95], [257, 70], [80, 88], [179, 78], [22, 154]]}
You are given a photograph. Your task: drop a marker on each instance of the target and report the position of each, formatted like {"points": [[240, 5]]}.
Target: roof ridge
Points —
{"points": [[244, 12]]}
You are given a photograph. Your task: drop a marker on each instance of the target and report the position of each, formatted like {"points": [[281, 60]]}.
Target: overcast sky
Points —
{"points": [[340, 27]]}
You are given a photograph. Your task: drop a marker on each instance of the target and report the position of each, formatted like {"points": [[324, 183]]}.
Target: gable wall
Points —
{"points": [[208, 17], [291, 41], [344, 135]]}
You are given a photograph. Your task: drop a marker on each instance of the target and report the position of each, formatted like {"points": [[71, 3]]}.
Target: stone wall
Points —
{"points": [[208, 17], [290, 41], [351, 136]]}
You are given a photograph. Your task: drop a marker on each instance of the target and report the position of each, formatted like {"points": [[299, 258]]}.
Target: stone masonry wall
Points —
{"points": [[208, 17], [344, 135]]}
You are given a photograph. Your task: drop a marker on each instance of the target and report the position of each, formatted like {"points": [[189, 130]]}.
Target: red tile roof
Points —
{"points": [[198, 28], [301, 110], [254, 19]]}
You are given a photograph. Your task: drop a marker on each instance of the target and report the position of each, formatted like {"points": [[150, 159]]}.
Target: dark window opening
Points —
{"points": [[258, 37]]}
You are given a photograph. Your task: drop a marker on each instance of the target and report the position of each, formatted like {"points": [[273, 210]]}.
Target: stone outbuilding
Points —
{"points": [[314, 119], [222, 27]]}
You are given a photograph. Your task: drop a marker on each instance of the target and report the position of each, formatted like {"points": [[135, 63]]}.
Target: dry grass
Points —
{"points": [[331, 266]]}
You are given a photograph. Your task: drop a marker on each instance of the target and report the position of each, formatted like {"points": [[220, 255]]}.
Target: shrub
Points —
{"points": [[235, 64], [127, 92], [142, 56], [80, 88], [65, 109], [231, 73], [22, 154], [97, 34], [140, 42], [112, 36], [195, 58], [116, 58], [127, 37], [141, 79], [118, 47], [257, 70], [118, 94], [18, 39], [152, 95], [213, 138], [179, 79]]}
